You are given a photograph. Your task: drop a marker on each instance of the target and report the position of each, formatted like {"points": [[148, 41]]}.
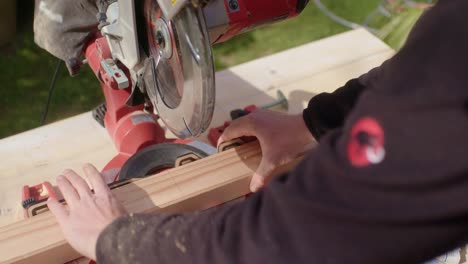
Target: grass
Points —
{"points": [[25, 76], [26, 70], [311, 25]]}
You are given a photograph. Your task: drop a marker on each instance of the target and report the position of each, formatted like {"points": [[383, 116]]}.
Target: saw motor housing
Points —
{"points": [[225, 19]]}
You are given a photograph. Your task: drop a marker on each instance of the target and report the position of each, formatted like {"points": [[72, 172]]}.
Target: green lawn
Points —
{"points": [[26, 70], [309, 26]]}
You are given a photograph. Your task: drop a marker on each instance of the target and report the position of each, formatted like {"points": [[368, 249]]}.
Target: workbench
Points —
{"points": [[41, 154]]}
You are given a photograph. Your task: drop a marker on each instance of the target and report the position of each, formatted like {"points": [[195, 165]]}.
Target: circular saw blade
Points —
{"points": [[181, 86]]}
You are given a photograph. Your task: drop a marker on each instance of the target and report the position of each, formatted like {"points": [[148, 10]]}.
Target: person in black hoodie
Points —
{"points": [[387, 182]]}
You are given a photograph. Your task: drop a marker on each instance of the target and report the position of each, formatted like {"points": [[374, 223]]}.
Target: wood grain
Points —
{"points": [[42, 154], [198, 185]]}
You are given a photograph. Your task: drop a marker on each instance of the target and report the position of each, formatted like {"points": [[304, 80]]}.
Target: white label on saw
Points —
{"points": [[137, 119]]}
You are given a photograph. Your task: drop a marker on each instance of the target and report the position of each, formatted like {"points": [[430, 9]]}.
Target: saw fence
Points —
{"points": [[42, 154]]}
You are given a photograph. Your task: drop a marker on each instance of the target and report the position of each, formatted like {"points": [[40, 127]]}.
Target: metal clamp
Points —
{"points": [[116, 73]]}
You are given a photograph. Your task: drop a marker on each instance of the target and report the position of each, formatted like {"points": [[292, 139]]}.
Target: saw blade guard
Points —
{"points": [[179, 77]]}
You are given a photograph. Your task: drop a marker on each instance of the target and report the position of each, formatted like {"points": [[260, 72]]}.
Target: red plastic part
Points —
{"points": [[250, 108], [130, 128], [39, 192], [253, 14], [215, 133]]}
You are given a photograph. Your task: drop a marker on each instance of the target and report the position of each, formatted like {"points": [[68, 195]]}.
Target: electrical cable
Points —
{"points": [[51, 91], [335, 17], [341, 20], [380, 9]]}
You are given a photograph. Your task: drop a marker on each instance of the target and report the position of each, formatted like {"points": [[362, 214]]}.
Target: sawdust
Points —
{"points": [[134, 221], [131, 255], [180, 245]]}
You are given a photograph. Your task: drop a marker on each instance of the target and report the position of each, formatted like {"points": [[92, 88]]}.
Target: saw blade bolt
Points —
{"points": [[162, 36], [160, 39]]}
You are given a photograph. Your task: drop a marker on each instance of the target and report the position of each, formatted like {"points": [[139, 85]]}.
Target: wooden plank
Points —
{"points": [[297, 63], [300, 91], [199, 185], [41, 154]]}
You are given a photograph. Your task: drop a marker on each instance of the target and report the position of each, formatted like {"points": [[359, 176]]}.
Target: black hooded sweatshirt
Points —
{"points": [[387, 184]]}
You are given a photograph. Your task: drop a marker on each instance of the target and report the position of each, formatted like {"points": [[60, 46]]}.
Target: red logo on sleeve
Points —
{"points": [[366, 144]]}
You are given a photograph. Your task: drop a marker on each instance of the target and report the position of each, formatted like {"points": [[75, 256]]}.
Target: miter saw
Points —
{"points": [[154, 61]]}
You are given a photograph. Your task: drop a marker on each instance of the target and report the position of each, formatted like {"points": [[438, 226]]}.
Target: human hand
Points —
{"points": [[282, 138], [88, 213]]}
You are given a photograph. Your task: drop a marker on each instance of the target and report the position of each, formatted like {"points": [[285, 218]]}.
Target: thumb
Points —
{"points": [[58, 210], [261, 175], [238, 128]]}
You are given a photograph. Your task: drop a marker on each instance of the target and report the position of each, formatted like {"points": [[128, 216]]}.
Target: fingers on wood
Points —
{"points": [[69, 192], [78, 183], [238, 128], [57, 209], [261, 175], [96, 180]]}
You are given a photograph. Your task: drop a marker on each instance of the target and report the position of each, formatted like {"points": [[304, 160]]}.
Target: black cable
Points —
{"points": [[51, 91]]}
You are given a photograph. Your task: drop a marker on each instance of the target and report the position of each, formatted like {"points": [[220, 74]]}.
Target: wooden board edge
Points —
{"points": [[17, 237]]}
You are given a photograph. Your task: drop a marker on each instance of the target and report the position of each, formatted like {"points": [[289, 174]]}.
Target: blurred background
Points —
{"points": [[26, 70]]}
